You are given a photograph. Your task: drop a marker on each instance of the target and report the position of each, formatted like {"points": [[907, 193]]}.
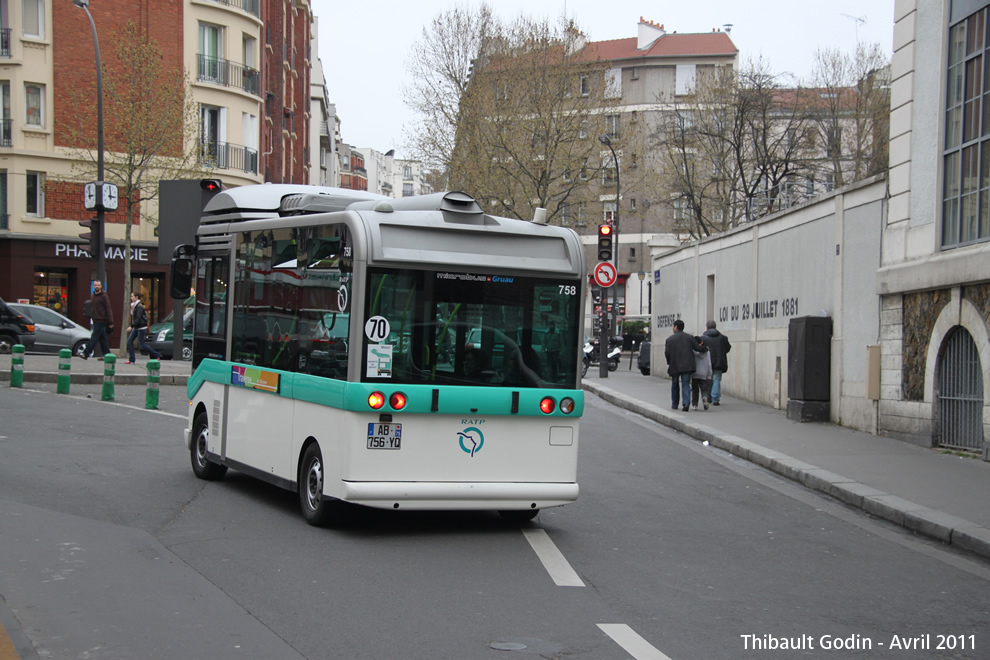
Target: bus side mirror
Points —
{"points": [[181, 277]]}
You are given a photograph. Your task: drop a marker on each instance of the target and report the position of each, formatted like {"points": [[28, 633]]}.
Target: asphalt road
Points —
{"points": [[111, 548]]}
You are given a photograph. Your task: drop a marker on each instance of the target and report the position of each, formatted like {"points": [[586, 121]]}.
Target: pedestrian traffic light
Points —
{"points": [[211, 188], [605, 243], [94, 235]]}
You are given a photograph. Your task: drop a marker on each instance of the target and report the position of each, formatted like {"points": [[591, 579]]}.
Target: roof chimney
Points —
{"points": [[649, 32]]}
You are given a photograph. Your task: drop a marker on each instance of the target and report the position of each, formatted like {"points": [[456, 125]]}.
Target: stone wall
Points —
{"points": [[919, 313]]}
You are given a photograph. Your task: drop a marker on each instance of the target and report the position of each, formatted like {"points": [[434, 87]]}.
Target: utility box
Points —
{"points": [[809, 366], [873, 372]]}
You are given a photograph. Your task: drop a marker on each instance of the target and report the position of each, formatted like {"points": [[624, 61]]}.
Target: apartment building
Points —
{"points": [[248, 62]]}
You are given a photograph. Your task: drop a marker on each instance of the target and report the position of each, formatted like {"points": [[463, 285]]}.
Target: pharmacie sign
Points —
{"points": [[111, 252]]}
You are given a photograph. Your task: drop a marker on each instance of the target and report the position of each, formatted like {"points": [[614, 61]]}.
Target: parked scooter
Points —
{"points": [[592, 356]]}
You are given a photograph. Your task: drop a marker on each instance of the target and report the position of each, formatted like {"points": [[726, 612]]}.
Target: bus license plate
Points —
{"points": [[384, 436]]}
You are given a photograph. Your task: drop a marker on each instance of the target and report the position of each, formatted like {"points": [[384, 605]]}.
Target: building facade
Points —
{"points": [[248, 64], [934, 279], [907, 285]]}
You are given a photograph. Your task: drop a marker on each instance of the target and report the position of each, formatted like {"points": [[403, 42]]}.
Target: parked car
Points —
{"points": [[15, 328], [160, 334], [52, 331], [643, 361]]}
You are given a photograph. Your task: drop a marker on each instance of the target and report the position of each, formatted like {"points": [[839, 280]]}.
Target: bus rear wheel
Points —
{"points": [[518, 516], [316, 509], [202, 466]]}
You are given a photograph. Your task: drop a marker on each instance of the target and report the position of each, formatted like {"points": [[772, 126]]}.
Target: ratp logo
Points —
{"points": [[471, 440]]}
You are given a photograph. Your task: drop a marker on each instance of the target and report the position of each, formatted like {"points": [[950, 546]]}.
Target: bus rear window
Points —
{"points": [[455, 328]]}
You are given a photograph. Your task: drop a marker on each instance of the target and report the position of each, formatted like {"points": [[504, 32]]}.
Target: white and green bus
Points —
{"points": [[407, 353]]}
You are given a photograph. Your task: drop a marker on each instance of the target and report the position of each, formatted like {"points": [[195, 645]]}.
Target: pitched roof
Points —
{"points": [[669, 45]]}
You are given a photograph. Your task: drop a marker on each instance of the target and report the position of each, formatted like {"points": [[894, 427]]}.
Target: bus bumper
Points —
{"points": [[458, 496]]}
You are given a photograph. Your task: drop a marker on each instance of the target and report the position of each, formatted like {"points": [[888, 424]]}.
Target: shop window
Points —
{"points": [[51, 290]]}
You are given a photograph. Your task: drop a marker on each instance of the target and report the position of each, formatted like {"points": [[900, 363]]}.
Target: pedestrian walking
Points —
{"points": [[102, 321], [138, 329], [679, 353], [719, 346], [701, 379]]}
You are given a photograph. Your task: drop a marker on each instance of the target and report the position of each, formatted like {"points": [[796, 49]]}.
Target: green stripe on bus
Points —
{"points": [[451, 399]]}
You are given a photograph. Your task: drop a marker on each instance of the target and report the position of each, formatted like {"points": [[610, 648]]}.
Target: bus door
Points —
{"points": [[210, 320]]}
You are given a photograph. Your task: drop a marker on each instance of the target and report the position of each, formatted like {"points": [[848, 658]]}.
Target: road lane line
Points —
{"points": [[628, 639], [558, 568]]}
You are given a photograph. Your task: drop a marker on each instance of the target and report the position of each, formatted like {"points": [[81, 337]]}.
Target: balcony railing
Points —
{"points": [[4, 42], [226, 156], [250, 6], [229, 74], [5, 132]]}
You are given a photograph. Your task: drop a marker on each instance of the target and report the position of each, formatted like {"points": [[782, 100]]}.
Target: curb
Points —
{"points": [[95, 379], [940, 526]]}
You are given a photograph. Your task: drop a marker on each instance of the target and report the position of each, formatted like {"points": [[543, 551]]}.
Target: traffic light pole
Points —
{"points": [[99, 236]]}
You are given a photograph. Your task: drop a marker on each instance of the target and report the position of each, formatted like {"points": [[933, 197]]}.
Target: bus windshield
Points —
{"points": [[455, 328]]}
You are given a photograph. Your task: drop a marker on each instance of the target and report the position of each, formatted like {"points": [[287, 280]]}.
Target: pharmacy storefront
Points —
{"points": [[58, 274]]}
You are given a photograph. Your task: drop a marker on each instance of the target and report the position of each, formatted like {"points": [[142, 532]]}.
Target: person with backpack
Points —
{"points": [[719, 346], [138, 329], [701, 380]]}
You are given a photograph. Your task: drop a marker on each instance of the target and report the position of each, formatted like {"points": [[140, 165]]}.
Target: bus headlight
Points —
{"points": [[397, 401], [547, 404], [567, 405], [376, 400]]}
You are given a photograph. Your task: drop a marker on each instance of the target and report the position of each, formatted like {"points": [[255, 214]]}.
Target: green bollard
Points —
{"points": [[154, 379], [17, 366], [109, 367], [64, 371]]}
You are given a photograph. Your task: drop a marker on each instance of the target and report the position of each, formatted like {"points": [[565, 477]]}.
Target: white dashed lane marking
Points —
{"points": [[629, 639], [558, 568]]}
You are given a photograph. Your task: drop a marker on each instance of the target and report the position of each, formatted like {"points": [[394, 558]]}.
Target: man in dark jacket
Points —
{"points": [[719, 346], [679, 352], [102, 322]]}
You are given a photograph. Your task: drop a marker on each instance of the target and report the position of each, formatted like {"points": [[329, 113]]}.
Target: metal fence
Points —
{"points": [[229, 74], [226, 156], [960, 394]]}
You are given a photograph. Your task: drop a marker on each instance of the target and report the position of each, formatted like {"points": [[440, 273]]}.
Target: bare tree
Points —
{"points": [[151, 131], [725, 152], [530, 121], [439, 70], [848, 103]]}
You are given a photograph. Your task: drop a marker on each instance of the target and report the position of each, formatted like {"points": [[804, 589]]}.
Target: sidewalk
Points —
{"points": [[938, 495], [43, 368], [924, 490]]}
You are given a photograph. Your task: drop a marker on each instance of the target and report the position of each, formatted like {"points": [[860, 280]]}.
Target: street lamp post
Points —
{"points": [[607, 324], [100, 213]]}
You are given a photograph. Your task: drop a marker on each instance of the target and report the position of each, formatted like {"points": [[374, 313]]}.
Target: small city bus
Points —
{"points": [[413, 354]]}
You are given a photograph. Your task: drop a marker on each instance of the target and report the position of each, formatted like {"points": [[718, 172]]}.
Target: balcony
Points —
{"points": [[250, 6], [226, 156], [4, 42], [5, 133], [229, 74]]}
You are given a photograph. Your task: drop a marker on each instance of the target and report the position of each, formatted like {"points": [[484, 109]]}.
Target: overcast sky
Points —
{"points": [[364, 45]]}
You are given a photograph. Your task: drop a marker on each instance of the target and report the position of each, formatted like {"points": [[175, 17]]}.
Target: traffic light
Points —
{"points": [[605, 243], [94, 235], [211, 188]]}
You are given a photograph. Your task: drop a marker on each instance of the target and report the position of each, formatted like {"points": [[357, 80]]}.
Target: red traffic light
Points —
{"points": [[605, 230], [211, 185]]}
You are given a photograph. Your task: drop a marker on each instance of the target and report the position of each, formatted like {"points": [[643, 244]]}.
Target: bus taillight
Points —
{"points": [[547, 404], [376, 400], [397, 401], [567, 405]]}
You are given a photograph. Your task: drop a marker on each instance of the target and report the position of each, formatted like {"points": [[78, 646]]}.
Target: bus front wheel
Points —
{"points": [[201, 465], [318, 510]]}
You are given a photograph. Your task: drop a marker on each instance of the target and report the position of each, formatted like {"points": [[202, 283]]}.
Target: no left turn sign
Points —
{"points": [[605, 274]]}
